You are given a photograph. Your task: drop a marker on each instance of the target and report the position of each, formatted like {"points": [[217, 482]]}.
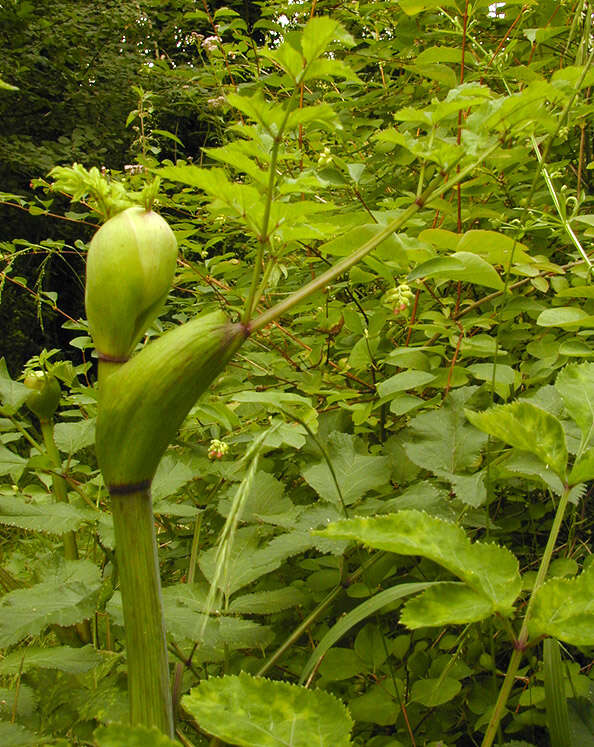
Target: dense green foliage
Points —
{"points": [[386, 494]]}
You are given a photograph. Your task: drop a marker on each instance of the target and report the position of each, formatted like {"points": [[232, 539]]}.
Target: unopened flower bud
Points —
{"points": [[45, 394], [130, 267]]}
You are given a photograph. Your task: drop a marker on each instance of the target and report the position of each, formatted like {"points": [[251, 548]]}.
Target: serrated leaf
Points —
{"points": [[12, 393], [529, 428], [171, 475], [487, 568], [72, 437], [583, 468], [66, 597], [268, 713], [564, 608], [265, 501], [15, 735], [250, 559], [442, 439], [10, 463], [116, 735], [319, 33], [575, 384], [356, 473], [267, 602], [446, 604], [52, 518], [62, 658]]}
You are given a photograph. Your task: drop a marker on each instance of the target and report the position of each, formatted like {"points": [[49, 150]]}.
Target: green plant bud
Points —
{"points": [[45, 394], [130, 267], [143, 402]]}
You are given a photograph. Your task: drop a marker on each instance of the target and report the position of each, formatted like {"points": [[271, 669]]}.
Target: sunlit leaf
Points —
{"points": [[268, 713]]}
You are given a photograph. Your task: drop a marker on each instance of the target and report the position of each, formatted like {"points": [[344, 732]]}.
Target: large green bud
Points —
{"points": [[143, 402], [130, 267], [44, 398]]}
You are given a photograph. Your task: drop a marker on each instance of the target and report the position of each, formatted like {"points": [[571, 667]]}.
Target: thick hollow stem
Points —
{"points": [[140, 586]]}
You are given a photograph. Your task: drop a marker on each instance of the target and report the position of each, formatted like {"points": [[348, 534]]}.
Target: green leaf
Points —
{"points": [[52, 518], [575, 384], [267, 713], [267, 602], [448, 603], [442, 441], [356, 473], [72, 437], [117, 735], [366, 609], [66, 597], [464, 266], [170, 476], [12, 393], [379, 705], [487, 568], [250, 558], [183, 607], [15, 735], [568, 317], [318, 35], [527, 427], [10, 463], [564, 608], [62, 658], [402, 382], [583, 468], [434, 692], [265, 502]]}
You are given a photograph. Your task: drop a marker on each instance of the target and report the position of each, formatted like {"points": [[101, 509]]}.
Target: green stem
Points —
{"points": [[60, 491], [521, 643], [431, 193], [264, 239], [58, 484], [149, 693], [140, 585]]}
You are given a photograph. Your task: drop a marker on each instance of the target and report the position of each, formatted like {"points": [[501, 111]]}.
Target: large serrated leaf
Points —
{"points": [[183, 607], [267, 602], [529, 428], [62, 658], [249, 559], [447, 604], [489, 569], [117, 735], [355, 473], [564, 608], [575, 384], [15, 735], [12, 393], [66, 597], [52, 518], [268, 714]]}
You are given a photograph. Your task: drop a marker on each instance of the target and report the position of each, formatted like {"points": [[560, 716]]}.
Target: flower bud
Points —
{"points": [[130, 267], [45, 394]]}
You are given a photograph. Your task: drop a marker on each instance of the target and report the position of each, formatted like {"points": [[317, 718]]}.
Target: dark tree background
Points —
{"points": [[75, 63]]}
